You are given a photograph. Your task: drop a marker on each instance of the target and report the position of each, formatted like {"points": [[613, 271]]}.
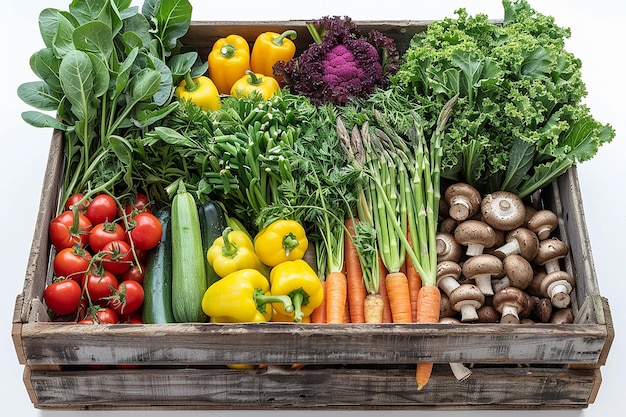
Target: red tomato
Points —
{"points": [[102, 208], [146, 231], [103, 233], [73, 200], [134, 318], [104, 315], [64, 233], [139, 204], [62, 297], [128, 298], [72, 263], [135, 273], [101, 284], [118, 257]]}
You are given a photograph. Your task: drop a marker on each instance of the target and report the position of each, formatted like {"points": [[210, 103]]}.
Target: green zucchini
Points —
{"points": [[157, 282], [212, 224], [188, 272]]}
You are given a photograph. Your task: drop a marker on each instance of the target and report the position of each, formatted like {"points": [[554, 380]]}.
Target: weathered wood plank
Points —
{"points": [[324, 388], [203, 34], [207, 343]]}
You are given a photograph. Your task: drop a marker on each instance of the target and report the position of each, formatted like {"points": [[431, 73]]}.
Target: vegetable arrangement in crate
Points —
{"points": [[346, 182]]}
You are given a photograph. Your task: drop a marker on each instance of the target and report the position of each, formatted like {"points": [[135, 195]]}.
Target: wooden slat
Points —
{"points": [[207, 343], [325, 388], [202, 34]]}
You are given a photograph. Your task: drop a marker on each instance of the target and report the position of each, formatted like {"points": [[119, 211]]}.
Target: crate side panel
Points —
{"points": [[203, 34], [328, 388], [581, 259], [209, 344], [38, 261]]}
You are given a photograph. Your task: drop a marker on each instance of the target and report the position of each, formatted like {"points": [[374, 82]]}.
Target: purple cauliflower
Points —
{"points": [[341, 63]]}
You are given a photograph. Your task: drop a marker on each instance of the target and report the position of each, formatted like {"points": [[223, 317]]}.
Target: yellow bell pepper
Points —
{"points": [[228, 61], [283, 240], [252, 82], [270, 48], [243, 296], [201, 91], [231, 252], [298, 281]]}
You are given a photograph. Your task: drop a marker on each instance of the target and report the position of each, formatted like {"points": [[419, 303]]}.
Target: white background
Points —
{"points": [[597, 39]]}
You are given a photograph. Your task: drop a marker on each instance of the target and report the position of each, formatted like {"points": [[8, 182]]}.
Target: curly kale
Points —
{"points": [[341, 63], [519, 121]]}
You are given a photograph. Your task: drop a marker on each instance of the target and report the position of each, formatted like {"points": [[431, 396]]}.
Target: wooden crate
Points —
{"points": [[70, 366]]}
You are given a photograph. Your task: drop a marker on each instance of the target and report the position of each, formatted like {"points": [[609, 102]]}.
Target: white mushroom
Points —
{"points": [[503, 210], [557, 286], [481, 269], [520, 241], [512, 303], [518, 272], [549, 253], [448, 249], [448, 274], [463, 201], [466, 299], [543, 222], [476, 235]]}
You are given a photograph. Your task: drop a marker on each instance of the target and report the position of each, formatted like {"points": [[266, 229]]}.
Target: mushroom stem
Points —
{"points": [[559, 294], [509, 315], [484, 283], [460, 371], [468, 312], [552, 266]]}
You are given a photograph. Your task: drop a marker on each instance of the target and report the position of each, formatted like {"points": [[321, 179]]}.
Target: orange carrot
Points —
{"points": [[415, 282], [319, 314], [398, 293], [382, 290], [354, 275], [428, 302], [336, 297]]}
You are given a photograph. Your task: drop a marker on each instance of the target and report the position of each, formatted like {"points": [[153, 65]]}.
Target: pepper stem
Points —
{"points": [[289, 242], [262, 300], [291, 34], [229, 249], [253, 79], [228, 50], [190, 84], [299, 298]]}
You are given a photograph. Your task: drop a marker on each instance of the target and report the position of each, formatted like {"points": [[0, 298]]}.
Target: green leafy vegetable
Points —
{"points": [[104, 71], [520, 120]]}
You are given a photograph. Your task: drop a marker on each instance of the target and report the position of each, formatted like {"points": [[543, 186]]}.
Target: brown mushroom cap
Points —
{"points": [[542, 309], [447, 225], [511, 302], [448, 273], [481, 268], [448, 249], [487, 314], [503, 210], [518, 270], [463, 201], [445, 309], [549, 253], [466, 299], [543, 222], [476, 235], [520, 241], [557, 286], [563, 316]]}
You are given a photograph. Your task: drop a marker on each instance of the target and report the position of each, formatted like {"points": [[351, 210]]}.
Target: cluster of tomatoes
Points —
{"points": [[99, 265]]}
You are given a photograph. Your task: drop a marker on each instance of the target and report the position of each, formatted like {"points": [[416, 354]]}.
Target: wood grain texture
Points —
{"points": [[309, 387]]}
